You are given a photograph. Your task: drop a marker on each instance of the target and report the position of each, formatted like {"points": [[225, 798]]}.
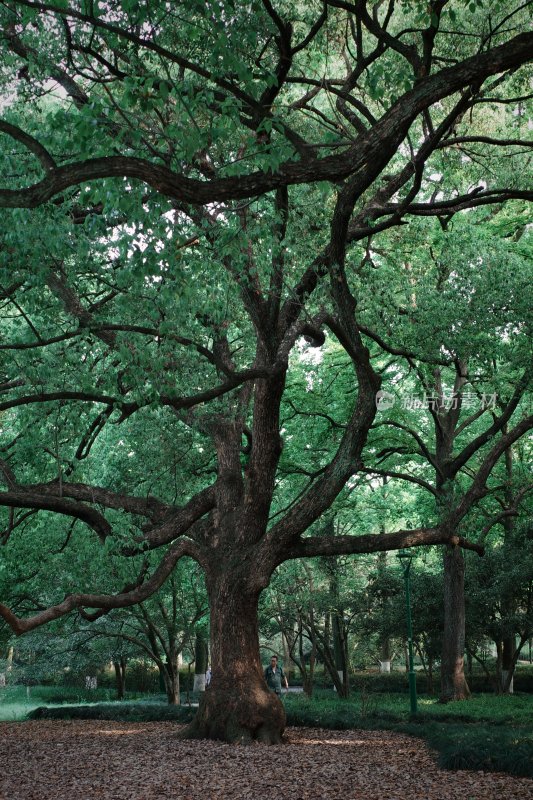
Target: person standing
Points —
{"points": [[274, 676]]}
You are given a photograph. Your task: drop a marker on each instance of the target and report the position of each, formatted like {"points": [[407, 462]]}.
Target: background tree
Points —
{"points": [[500, 607], [499, 598], [163, 627], [456, 371]]}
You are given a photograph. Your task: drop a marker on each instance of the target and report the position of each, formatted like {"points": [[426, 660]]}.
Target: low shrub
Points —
{"points": [[398, 681], [117, 712], [491, 748]]}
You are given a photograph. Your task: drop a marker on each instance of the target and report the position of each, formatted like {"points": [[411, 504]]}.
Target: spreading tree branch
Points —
{"points": [[21, 625]]}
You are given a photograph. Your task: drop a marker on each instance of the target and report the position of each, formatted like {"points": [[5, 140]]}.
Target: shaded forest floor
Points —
{"points": [[101, 760]]}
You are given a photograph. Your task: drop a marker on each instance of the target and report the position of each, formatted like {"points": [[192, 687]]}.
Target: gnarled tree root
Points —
{"points": [[233, 716]]}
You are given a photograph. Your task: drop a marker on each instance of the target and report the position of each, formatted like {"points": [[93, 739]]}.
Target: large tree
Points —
{"points": [[189, 184]]}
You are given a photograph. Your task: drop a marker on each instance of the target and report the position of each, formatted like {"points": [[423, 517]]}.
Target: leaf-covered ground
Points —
{"points": [[95, 760]]}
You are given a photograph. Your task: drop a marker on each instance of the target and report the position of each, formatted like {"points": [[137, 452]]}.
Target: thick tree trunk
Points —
{"points": [[453, 680], [238, 706]]}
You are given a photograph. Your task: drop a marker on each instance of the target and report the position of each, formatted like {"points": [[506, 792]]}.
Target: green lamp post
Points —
{"points": [[406, 558]]}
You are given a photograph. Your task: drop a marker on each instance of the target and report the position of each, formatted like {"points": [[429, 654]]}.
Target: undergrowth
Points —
{"points": [[117, 712], [488, 733]]}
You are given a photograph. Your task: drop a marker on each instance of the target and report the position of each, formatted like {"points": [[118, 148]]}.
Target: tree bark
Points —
{"points": [[201, 657], [453, 680], [120, 677], [384, 642], [509, 642], [385, 654], [430, 674], [340, 649], [508, 662], [288, 663], [238, 706], [307, 674], [171, 679]]}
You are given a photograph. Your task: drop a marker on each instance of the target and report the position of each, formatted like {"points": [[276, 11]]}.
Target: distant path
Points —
{"points": [[92, 760]]}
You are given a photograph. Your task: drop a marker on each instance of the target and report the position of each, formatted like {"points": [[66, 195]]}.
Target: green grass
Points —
{"points": [[487, 732], [17, 701], [479, 746]]}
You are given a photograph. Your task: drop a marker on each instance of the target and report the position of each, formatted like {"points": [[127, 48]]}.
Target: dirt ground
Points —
{"points": [[91, 760]]}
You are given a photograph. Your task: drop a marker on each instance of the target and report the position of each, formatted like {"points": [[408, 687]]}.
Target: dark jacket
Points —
{"points": [[274, 679]]}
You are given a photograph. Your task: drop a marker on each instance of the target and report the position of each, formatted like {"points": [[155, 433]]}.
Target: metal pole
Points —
{"points": [[412, 674]]}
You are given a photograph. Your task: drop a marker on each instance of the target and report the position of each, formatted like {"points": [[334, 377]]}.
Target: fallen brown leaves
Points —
{"points": [[91, 760]]}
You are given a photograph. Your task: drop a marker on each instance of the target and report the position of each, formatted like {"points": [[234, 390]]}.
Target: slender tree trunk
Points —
{"points": [[327, 656], [384, 642], [238, 706], [288, 663], [495, 681], [385, 655], [508, 664], [340, 650], [171, 678], [120, 677], [308, 684], [508, 683], [307, 674], [430, 674], [172, 687], [201, 654], [498, 667], [509, 641], [453, 680], [4, 676]]}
